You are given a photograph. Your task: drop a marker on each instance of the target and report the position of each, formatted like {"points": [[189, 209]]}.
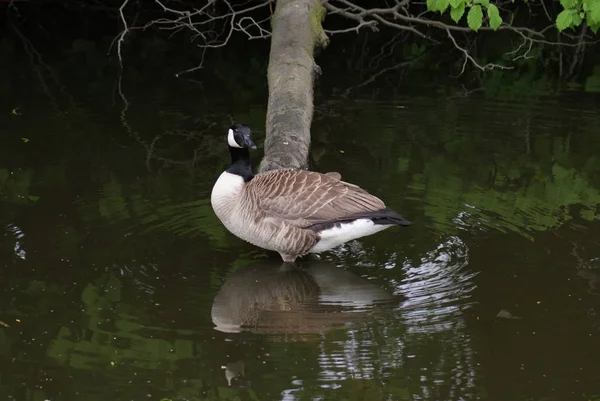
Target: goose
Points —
{"points": [[291, 211]]}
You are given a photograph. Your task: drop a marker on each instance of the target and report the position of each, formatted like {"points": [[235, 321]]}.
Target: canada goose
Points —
{"points": [[290, 211]]}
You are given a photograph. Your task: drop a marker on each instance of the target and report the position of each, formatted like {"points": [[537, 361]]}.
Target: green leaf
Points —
{"points": [[593, 11], [564, 20], [494, 15], [475, 17], [438, 5], [457, 3], [595, 27], [34, 198], [456, 13], [568, 3]]}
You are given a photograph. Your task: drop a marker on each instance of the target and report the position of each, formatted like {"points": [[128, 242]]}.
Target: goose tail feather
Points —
{"points": [[387, 216]]}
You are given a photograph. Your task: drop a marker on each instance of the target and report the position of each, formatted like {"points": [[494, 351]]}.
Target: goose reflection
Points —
{"points": [[269, 297]]}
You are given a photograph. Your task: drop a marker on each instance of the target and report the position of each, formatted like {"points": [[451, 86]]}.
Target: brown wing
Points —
{"points": [[306, 197]]}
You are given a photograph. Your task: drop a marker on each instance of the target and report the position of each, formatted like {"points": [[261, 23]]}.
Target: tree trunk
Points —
{"points": [[296, 30]]}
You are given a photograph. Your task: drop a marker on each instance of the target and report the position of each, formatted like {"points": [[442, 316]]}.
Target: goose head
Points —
{"points": [[240, 136]]}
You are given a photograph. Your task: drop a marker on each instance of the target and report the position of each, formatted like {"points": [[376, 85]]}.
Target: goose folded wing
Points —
{"points": [[304, 198]]}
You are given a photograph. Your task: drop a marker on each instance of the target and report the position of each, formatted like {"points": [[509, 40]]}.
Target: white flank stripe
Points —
{"points": [[336, 236]]}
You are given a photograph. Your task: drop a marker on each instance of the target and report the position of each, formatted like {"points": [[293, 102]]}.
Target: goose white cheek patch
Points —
{"points": [[231, 141]]}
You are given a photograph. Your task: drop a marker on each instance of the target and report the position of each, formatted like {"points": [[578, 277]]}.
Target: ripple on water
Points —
{"points": [[438, 289], [426, 327]]}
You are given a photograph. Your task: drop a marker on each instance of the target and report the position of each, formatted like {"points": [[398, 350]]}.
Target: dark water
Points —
{"points": [[119, 283]]}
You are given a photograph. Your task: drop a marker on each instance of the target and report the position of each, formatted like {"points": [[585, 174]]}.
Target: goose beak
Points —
{"points": [[248, 142]]}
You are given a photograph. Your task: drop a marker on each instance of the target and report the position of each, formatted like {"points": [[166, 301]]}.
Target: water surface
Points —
{"points": [[119, 283]]}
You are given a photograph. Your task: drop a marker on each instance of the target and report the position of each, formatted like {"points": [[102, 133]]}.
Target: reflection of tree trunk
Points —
{"points": [[296, 31]]}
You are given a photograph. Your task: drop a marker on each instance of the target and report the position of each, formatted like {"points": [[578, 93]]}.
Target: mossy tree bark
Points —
{"points": [[296, 31]]}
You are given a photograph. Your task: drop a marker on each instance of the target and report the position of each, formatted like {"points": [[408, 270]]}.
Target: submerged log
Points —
{"points": [[296, 31]]}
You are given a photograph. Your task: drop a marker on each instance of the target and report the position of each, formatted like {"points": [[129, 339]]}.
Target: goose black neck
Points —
{"points": [[240, 163]]}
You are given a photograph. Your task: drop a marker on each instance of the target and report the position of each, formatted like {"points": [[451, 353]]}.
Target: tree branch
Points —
{"points": [[399, 17], [469, 58], [201, 23]]}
